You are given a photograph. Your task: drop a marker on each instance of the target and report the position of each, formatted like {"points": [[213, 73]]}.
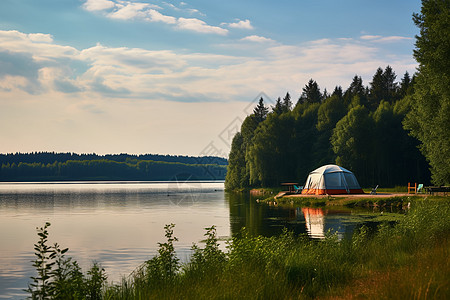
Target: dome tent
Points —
{"points": [[331, 180]]}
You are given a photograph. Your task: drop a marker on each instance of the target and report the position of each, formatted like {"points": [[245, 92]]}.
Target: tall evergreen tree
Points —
{"points": [[260, 111], [287, 103], [377, 88], [325, 94], [338, 92], [383, 87], [356, 88], [279, 107], [391, 87], [311, 93], [404, 85], [429, 119]]}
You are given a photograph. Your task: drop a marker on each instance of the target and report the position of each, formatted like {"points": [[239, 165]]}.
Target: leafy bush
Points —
{"points": [[59, 277]]}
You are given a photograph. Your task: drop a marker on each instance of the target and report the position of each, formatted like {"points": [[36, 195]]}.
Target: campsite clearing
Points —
{"points": [[400, 200]]}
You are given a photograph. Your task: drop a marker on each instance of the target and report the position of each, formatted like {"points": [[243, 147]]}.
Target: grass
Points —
{"points": [[394, 201], [396, 189], [408, 260]]}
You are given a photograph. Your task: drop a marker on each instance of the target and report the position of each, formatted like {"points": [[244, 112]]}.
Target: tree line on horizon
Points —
{"points": [[46, 166], [388, 133], [46, 157]]}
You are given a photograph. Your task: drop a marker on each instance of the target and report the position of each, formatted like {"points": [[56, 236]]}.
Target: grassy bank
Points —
{"points": [[405, 261], [400, 201]]}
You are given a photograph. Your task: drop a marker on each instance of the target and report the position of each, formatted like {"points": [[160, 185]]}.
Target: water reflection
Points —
{"points": [[315, 221], [267, 220], [118, 225]]}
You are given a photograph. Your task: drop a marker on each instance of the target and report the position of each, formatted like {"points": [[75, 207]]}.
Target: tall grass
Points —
{"points": [[407, 261]]}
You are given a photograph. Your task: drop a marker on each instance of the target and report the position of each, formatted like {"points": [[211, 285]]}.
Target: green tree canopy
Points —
{"points": [[352, 139], [429, 119]]}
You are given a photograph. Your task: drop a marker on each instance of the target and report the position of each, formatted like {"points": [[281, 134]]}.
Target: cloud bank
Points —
{"points": [[34, 63]]}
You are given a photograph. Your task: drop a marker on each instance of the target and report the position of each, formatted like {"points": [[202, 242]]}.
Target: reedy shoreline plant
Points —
{"points": [[59, 277]]}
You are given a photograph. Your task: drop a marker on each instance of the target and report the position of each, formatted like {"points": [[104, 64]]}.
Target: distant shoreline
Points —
{"points": [[110, 181]]}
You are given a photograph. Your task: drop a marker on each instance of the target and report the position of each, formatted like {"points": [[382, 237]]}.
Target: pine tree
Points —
{"points": [[279, 107], [260, 111], [390, 85], [287, 103], [377, 88], [337, 92], [325, 94], [311, 93], [356, 88], [404, 85]]}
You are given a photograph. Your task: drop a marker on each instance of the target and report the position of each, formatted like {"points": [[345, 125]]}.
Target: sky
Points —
{"points": [[178, 77]]}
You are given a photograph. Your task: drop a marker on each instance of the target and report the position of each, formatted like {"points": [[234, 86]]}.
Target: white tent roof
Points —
{"points": [[330, 169]]}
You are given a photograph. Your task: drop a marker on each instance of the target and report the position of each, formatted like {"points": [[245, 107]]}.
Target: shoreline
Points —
{"points": [[350, 196]]}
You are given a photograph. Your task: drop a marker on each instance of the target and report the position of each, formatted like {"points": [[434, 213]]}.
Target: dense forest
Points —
{"points": [[388, 133], [41, 166], [360, 129]]}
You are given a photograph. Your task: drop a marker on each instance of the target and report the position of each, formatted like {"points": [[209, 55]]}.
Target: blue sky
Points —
{"points": [[143, 76]]}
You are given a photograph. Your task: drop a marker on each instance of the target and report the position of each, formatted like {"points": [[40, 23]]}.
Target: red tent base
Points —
{"points": [[331, 192]]}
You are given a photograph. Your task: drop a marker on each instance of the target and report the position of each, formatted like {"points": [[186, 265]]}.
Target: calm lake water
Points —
{"points": [[119, 224]]}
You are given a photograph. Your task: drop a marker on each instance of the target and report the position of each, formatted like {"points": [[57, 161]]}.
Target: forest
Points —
{"points": [[44, 166], [360, 129], [388, 133]]}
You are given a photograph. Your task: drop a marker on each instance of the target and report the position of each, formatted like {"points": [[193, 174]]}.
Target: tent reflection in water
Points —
{"points": [[331, 180], [314, 221]]}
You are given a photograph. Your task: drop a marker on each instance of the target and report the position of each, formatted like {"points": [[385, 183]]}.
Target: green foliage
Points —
{"points": [[40, 288], [360, 130], [235, 173], [59, 277], [311, 93], [268, 154], [104, 169], [352, 141], [164, 266], [429, 118], [383, 87], [260, 112], [209, 260]]}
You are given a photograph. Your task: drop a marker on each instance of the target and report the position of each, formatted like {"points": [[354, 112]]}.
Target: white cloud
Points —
{"points": [[197, 25], [241, 24], [257, 39], [370, 37], [156, 16], [129, 11], [96, 5], [190, 11], [385, 39], [40, 37], [395, 39]]}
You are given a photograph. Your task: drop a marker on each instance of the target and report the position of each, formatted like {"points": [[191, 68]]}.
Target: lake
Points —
{"points": [[118, 224]]}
